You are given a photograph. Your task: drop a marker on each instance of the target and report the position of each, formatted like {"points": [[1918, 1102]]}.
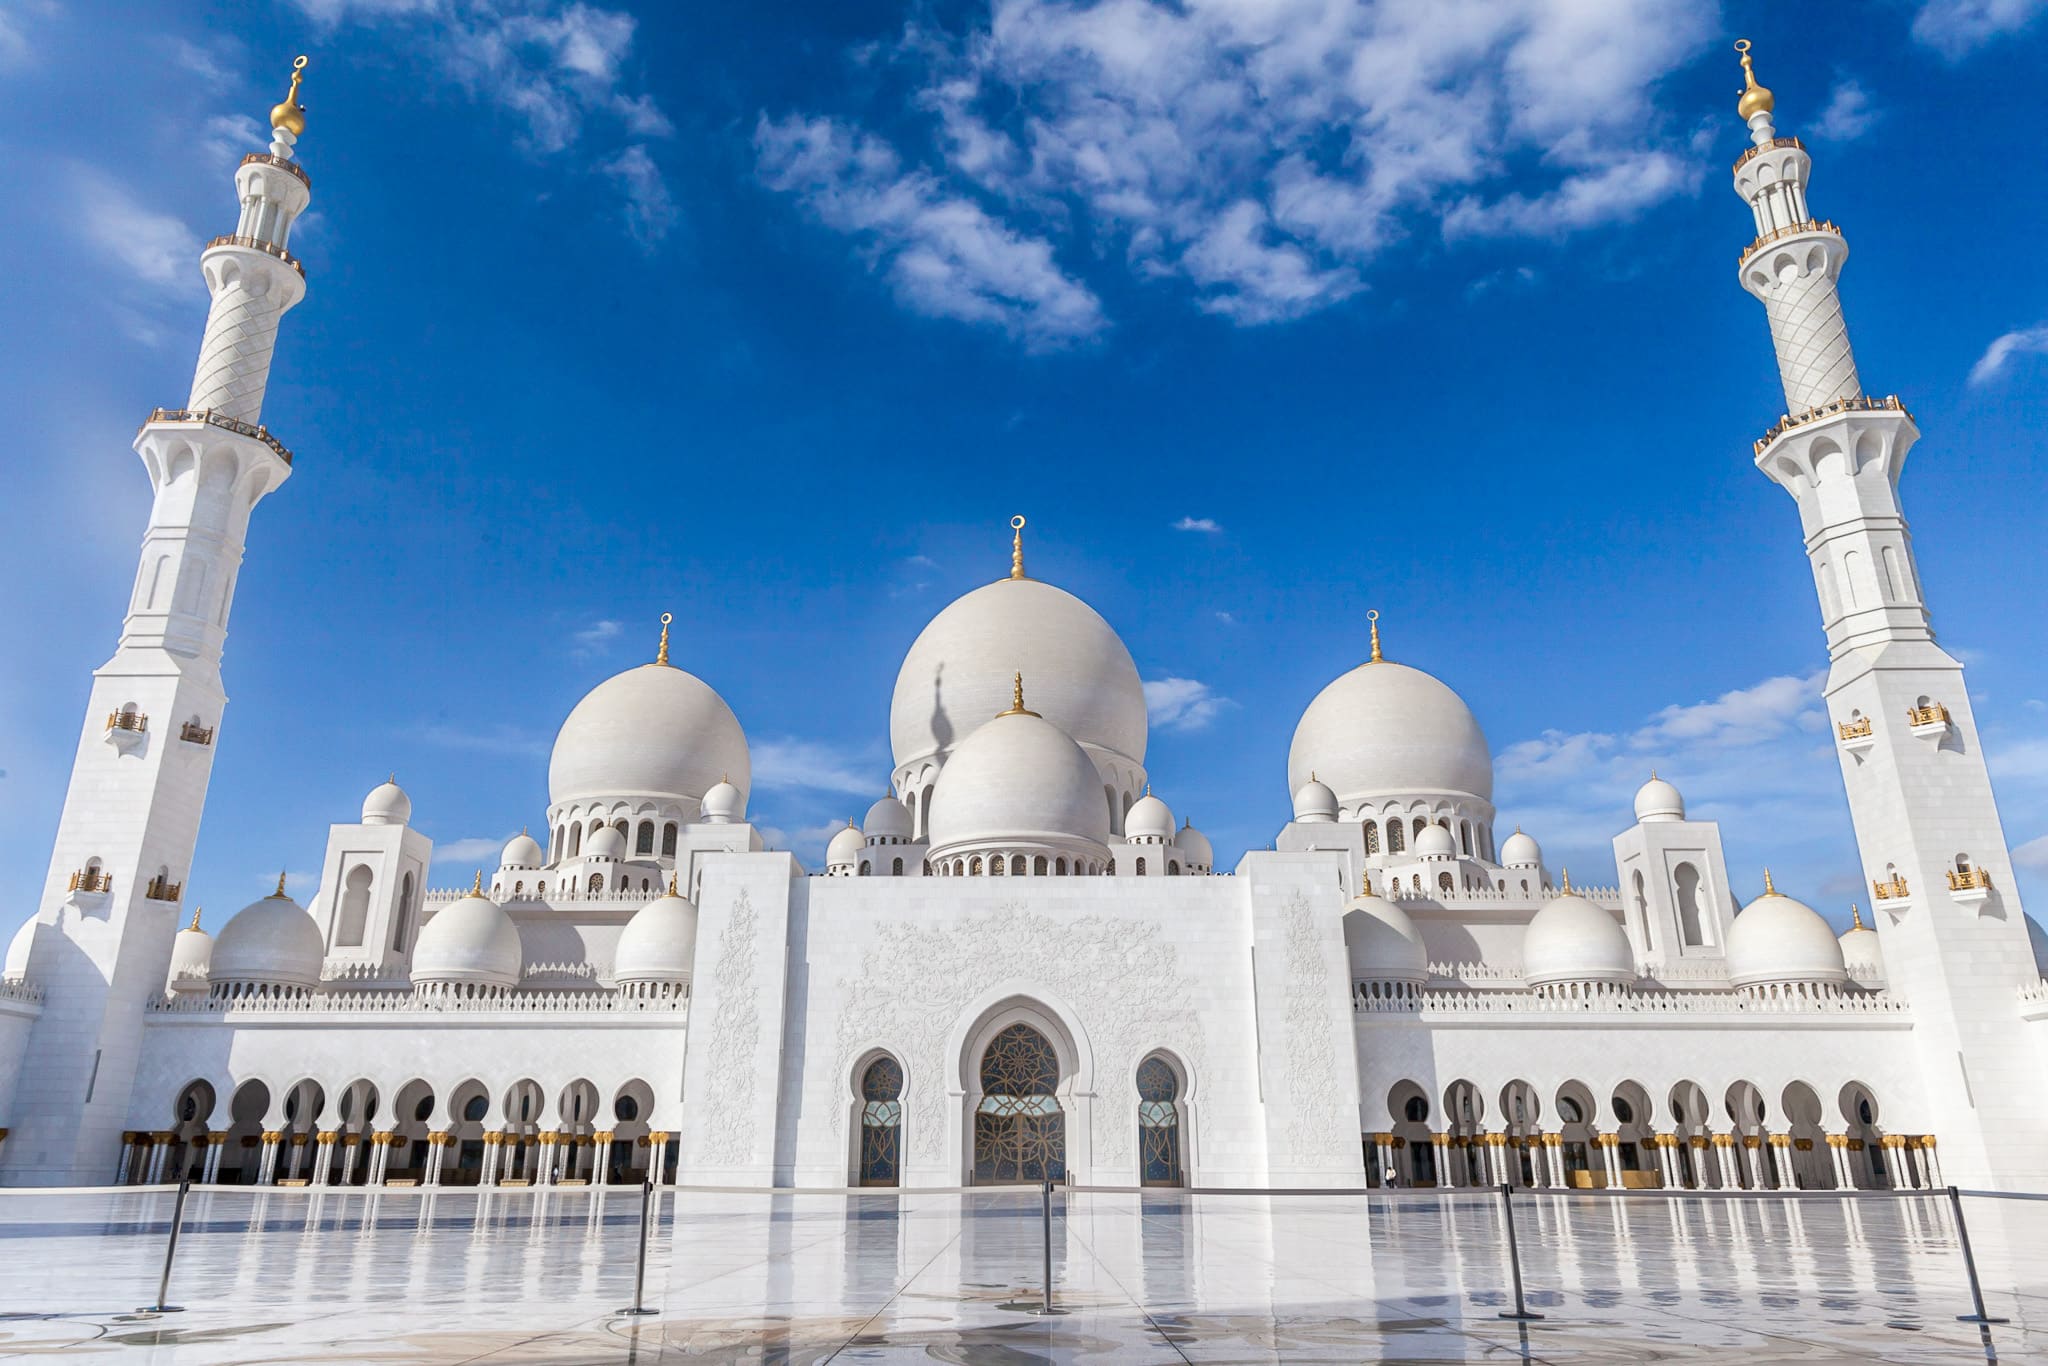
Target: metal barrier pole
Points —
{"points": [[1955, 1202], [1507, 1209], [1045, 1243], [163, 1286], [640, 1270]]}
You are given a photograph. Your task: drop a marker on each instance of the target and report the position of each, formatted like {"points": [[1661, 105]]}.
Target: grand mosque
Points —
{"points": [[1019, 965]]}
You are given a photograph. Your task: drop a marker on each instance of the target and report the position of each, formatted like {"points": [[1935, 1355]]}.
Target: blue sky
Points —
{"points": [[1264, 314]]}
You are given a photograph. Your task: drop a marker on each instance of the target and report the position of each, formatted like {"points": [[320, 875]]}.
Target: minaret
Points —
{"points": [[109, 909], [1933, 848]]}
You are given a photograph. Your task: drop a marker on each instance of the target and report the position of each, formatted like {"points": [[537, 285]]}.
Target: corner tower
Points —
{"points": [[1927, 828], [109, 910]]}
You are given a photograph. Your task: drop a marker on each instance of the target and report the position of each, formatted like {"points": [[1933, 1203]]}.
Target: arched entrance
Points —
{"points": [[1020, 1133], [881, 1123], [1158, 1123]]}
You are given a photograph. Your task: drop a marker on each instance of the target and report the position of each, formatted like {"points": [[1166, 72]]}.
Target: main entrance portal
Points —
{"points": [[1019, 1132]]}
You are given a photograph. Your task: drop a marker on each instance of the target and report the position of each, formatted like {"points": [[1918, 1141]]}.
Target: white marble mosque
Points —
{"points": [[1020, 964]]}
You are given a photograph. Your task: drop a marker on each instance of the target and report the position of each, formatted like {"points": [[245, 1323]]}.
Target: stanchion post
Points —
{"points": [[1045, 1246], [1955, 1204], [640, 1267], [163, 1286], [1507, 1209]]}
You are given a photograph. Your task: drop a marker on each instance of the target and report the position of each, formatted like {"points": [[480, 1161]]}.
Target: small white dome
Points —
{"points": [[191, 956], [605, 842], [387, 804], [1520, 850], [18, 950], [1435, 842], [722, 805], [844, 850], [887, 819], [1386, 730], [1383, 943], [1018, 779], [1194, 847], [1149, 821], [1861, 946], [471, 941], [1314, 801], [1778, 939], [270, 942], [522, 851], [1658, 800], [659, 943], [1572, 940], [654, 731]]}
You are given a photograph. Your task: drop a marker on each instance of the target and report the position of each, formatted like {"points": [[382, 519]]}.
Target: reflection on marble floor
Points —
{"points": [[537, 1276]]}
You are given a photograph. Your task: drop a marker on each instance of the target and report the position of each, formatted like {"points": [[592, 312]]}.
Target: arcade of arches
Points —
{"points": [[1629, 1139]]}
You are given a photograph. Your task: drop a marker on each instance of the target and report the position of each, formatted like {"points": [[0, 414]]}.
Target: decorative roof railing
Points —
{"points": [[1861, 403], [287, 164], [258, 244], [1620, 1000], [24, 992], [225, 423], [408, 1003], [1775, 144], [1789, 230]]}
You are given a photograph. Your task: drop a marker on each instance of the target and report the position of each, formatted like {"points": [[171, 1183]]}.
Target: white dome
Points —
{"points": [[722, 805], [844, 850], [191, 956], [958, 671], [1383, 943], [1861, 946], [1778, 939], [1018, 779], [1572, 940], [659, 943], [605, 842], [1518, 849], [472, 940], [1313, 801], [18, 950], [522, 851], [387, 804], [272, 941], [887, 819], [654, 731], [1658, 800], [1435, 842], [1148, 821], [1194, 846], [1386, 730]]}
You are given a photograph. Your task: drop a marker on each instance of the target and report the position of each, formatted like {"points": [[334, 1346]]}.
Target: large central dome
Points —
{"points": [[654, 731], [957, 674], [1386, 730]]}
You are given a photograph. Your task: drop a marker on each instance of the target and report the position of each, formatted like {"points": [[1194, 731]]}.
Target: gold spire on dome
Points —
{"points": [[1017, 707], [1855, 914], [291, 115], [279, 893], [1755, 98], [477, 888], [1373, 617], [661, 652], [1567, 874], [1770, 888], [1367, 883], [1017, 547], [671, 882], [195, 919]]}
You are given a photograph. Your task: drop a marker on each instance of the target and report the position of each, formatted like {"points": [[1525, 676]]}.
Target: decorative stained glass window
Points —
{"points": [[881, 1123], [1019, 1131], [1158, 1124]]}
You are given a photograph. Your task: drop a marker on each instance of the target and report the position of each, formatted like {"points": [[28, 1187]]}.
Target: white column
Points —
{"points": [[323, 1156], [437, 1143], [1933, 1163], [216, 1144], [159, 1150], [266, 1170], [351, 1154], [600, 1158]]}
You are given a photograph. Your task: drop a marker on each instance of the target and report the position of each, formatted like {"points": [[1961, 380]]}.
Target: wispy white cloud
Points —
{"points": [[2027, 341], [1183, 704], [650, 211], [225, 139], [598, 634], [154, 248], [2033, 855], [481, 851], [511, 741], [1956, 28], [1208, 524], [1848, 114], [788, 763]]}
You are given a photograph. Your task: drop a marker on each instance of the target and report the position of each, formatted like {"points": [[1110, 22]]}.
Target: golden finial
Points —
{"points": [[291, 115], [1367, 881], [1017, 546], [280, 887], [671, 882], [1567, 873], [195, 919], [1017, 707], [392, 778], [1755, 99], [1373, 616], [661, 652], [1855, 914], [477, 888], [1770, 888]]}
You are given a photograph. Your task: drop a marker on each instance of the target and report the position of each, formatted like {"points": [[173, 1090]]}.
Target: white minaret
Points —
{"points": [[1933, 849], [109, 908]]}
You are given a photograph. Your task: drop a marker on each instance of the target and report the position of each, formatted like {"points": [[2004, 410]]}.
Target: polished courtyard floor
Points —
{"points": [[538, 1276]]}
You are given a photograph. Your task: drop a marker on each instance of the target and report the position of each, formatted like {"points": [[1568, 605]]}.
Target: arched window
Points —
{"points": [[1419, 823], [575, 840], [1059, 867], [404, 916], [561, 841], [1687, 881], [1016, 865], [596, 882], [355, 907], [1038, 866], [864, 868], [643, 840], [1020, 1134], [897, 870], [881, 1123], [1372, 837], [1465, 837], [1395, 841], [1141, 867], [668, 840], [996, 866], [1172, 868], [1158, 1124], [974, 866]]}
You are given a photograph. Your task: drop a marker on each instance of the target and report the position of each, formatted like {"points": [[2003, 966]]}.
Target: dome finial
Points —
{"points": [[280, 886], [661, 651], [671, 882], [1567, 875], [1017, 707], [1373, 616], [1366, 883], [1755, 98], [1855, 914], [195, 919], [1017, 546], [1770, 888], [290, 115], [477, 888]]}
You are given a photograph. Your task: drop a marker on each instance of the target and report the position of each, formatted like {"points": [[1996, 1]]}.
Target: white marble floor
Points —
{"points": [[529, 1277]]}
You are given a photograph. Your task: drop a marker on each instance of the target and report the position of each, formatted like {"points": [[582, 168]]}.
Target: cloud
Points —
{"points": [[1208, 524], [1182, 704], [1268, 156], [597, 635], [1848, 114], [1745, 716], [2025, 342], [155, 249], [1956, 28], [226, 138], [941, 253], [790, 764], [2033, 855], [500, 739], [216, 66], [650, 211], [481, 851]]}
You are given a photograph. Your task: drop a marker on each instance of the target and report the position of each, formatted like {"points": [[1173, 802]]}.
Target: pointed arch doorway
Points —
{"points": [[1020, 1132]]}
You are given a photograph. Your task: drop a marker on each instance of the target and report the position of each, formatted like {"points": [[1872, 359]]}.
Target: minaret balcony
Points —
{"points": [[162, 889], [1861, 403], [258, 244], [1894, 894], [222, 421], [127, 730], [1930, 722], [1774, 145], [192, 733], [1969, 884], [92, 881], [1856, 736], [287, 164], [1789, 230]]}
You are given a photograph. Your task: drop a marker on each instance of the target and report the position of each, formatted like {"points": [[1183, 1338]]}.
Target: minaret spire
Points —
{"points": [[1017, 547]]}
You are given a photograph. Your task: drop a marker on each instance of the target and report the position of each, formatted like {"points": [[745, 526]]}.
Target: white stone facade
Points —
{"points": [[1017, 966]]}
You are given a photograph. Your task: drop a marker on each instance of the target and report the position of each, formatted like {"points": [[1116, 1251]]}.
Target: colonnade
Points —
{"points": [[334, 1157], [1667, 1161]]}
